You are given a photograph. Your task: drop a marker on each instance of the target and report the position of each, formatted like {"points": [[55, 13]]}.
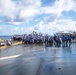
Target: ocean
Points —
{"points": [[5, 37]]}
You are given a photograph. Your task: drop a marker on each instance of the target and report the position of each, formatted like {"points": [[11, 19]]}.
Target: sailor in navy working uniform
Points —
{"points": [[66, 40], [46, 40], [50, 41]]}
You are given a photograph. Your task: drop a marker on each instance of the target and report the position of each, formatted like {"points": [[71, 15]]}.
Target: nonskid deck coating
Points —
{"points": [[38, 60]]}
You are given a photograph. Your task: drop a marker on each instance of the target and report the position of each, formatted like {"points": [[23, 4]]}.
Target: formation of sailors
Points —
{"points": [[29, 39], [56, 40], [17, 37], [64, 40]]}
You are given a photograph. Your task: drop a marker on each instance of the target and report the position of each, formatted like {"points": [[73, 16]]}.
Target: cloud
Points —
{"points": [[59, 6], [50, 18], [53, 27], [28, 3], [3, 30], [18, 11], [64, 5], [49, 28], [23, 10], [22, 30], [15, 23], [67, 24], [28, 12], [7, 8]]}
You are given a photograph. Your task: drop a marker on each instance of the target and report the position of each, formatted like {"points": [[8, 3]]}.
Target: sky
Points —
{"points": [[45, 16]]}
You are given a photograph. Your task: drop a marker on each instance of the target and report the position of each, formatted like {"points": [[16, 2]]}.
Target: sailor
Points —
{"points": [[51, 41], [58, 40], [46, 40], [24, 38], [38, 39], [41, 39], [68, 39], [65, 40], [30, 39], [8, 43], [35, 38]]}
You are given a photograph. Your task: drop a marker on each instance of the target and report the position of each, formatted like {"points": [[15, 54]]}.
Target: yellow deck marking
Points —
{"points": [[14, 44], [17, 43]]}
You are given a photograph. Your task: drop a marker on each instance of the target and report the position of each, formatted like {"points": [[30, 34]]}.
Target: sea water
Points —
{"points": [[5, 37]]}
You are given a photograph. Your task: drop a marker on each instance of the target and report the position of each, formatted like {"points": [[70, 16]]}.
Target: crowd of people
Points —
{"points": [[64, 39], [56, 40]]}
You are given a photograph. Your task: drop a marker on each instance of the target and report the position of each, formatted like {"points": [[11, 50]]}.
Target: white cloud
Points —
{"points": [[15, 23], [53, 27], [26, 9], [21, 30], [49, 28], [27, 3], [28, 12], [7, 8], [67, 24], [60, 6], [3, 30], [64, 5]]}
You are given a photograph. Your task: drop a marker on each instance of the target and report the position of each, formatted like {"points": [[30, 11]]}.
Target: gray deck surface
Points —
{"points": [[38, 60]]}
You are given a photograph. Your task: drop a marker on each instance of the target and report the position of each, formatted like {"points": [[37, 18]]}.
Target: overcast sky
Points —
{"points": [[46, 16]]}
